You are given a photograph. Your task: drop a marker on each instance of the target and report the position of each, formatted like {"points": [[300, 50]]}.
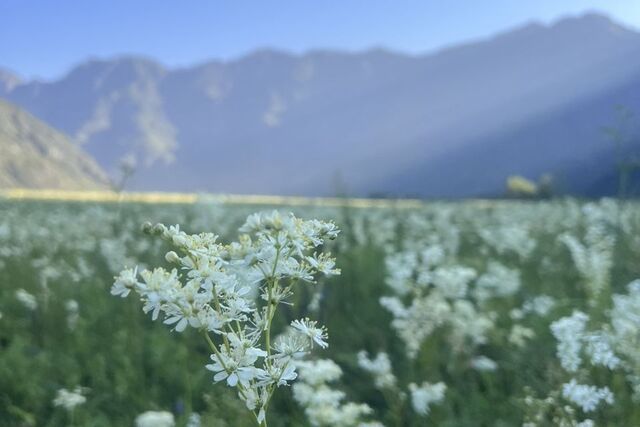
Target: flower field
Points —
{"points": [[505, 313]]}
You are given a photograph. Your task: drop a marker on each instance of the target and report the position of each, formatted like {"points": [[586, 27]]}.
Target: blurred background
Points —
{"points": [[363, 98]]}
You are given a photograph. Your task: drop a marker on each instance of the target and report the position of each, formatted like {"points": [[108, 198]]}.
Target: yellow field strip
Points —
{"points": [[187, 198]]}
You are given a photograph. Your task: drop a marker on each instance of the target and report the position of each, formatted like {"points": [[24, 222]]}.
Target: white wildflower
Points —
{"points": [[586, 396], [593, 258], [125, 282], [26, 299], [519, 335], [453, 281], [540, 305], [69, 400], [323, 405], [380, 368], [497, 281], [308, 327], [483, 364], [155, 419], [423, 396], [194, 420], [598, 348], [569, 333], [73, 315], [213, 289]]}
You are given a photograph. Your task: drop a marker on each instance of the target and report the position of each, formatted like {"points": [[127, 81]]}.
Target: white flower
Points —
{"points": [[280, 373], [593, 258], [287, 374], [69, 399], [194, 420], [483, 363], [497, 281], [73, 314], [569, 333], [214, 287], [125, 282], [540, 305], [598, 347], [380, 368], [453, 281], [323, 405], [323, 263], [26, 299], [586, 396], [520, 334], [423, 396], [236, 369], [292, 346], [318, 371], [155, 419], [308, 327]]}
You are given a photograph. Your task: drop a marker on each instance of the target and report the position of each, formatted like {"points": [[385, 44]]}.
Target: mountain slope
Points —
{"points": [[569, 142], [272, 122], [33, 155], [8, 81]]}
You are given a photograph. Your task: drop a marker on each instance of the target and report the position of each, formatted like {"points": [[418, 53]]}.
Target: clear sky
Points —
{"points": [[44, 38]]}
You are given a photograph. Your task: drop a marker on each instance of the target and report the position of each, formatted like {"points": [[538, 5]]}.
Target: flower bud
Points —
{"points": [[158, 229], [172, 257]]}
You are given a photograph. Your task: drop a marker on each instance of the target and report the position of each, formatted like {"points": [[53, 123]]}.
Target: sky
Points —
{"points": [[45, 38]]}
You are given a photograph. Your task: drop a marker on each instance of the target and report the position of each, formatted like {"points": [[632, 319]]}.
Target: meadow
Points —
{"points": [[501, 313]]}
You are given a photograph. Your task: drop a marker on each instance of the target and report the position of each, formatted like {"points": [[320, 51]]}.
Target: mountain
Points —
{"points": [[33, 155], [8, 80], [452, 123]]}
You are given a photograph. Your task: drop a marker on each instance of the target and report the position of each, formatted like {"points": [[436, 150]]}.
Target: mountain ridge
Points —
{"points": [[275, 122], [36, 156]]}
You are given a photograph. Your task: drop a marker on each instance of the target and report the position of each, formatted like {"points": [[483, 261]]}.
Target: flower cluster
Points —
{"points": [[379, 367], [426, 394], [155, 419], [431, 293], [586, 396], [26, 299], [593, 258], [551, 411], [69, 399], [569, 332], [623, 336], [497, 281], [540, 305], [213, 288], [322, 404], [509, 238]]}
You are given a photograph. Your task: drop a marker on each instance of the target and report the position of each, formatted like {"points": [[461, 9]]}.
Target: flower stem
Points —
{"points": [[271, 283]]}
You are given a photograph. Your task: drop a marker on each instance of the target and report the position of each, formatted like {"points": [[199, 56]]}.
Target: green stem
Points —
{"points": [[271, 283]]}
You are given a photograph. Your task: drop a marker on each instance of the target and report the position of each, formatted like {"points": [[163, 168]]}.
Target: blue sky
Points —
{"points": [[46, 38]]}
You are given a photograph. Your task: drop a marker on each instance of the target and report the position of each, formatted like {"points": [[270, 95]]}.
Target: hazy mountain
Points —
{"points": [[8, 80], [452, 123], [33, 155]]}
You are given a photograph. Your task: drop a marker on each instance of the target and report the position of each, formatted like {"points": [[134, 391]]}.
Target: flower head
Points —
{"points": [[308, 327]]}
